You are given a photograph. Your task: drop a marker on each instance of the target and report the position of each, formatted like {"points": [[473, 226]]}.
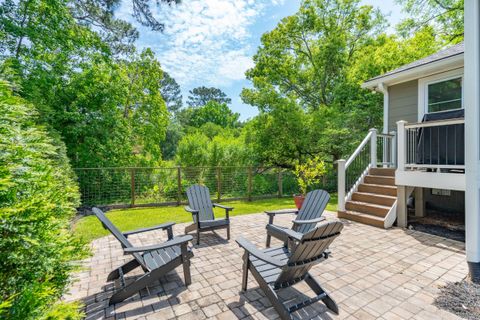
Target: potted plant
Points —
{"points": [[308, 174]]}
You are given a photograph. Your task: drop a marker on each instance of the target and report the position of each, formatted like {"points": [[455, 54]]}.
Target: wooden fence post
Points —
{"points": [[219, 185], [249, 184], [179, 185], [132, 186], [280, 184]]}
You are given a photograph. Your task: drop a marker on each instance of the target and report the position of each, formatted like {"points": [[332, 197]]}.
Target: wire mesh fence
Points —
{"points": [[155, 186]]}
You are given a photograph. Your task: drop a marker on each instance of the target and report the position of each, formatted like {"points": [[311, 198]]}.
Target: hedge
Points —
{"points": [[38, 196]]}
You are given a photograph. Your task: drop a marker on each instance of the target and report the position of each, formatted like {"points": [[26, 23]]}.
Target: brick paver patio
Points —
{"points": [[372, 274]]}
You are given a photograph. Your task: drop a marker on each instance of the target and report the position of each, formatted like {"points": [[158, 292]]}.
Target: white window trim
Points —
{"points": [[423, 88]]}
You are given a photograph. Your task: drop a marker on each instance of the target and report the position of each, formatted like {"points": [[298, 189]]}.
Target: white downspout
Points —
{"points": [[384, 89], [472, 137]]}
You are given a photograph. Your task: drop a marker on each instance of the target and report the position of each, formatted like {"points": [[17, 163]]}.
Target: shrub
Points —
{"points": [[38, 197]]}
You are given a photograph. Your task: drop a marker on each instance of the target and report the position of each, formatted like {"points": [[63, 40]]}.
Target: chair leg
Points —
{"points": [[126, 268], [315, 286], [186, 265], [246, 264], [228, 232], [269, 237], [276, 303], [198, 236]]}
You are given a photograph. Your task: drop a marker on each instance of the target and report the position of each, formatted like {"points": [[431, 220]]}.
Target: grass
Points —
{"points": [[89, 228]]}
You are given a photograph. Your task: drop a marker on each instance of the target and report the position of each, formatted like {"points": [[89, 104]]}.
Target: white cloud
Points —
{"points": [[204, 40]]}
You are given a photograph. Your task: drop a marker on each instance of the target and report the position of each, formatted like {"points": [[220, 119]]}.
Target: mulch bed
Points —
{"points": [[461, 298], [446, 225]]}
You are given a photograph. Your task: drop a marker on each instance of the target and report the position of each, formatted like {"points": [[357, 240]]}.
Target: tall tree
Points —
{"points": [[446, 16], [201, 95], [119, 34], [216, 113], [302, 66], [312, 64], [171, 93]]}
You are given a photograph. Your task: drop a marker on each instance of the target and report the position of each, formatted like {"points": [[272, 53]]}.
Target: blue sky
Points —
{"points": [[211, 42]]}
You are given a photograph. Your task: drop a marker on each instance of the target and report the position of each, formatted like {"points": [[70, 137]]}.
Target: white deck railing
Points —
{"points": [[375, 149], [431, 146]]}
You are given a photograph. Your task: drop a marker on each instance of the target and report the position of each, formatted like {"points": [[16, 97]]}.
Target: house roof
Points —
{"points": [[449, 54]]}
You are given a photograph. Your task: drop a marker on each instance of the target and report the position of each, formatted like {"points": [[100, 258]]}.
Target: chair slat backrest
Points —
{"points": [[313, 206], [107, 224], [199, 199], [308, 250]]}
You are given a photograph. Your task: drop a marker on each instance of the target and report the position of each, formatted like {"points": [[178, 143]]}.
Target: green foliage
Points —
{"points": [[445, 16], [197, 149], [202, 95], [307, 80], [38, 197], [309, 173], [214, 112], [171, 93]]}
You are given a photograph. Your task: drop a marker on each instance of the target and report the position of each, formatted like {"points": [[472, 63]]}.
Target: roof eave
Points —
{"points": [[445, 64]]}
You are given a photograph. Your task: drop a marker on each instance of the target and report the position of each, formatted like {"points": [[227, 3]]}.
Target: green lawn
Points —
{"points": [[89, 228]]}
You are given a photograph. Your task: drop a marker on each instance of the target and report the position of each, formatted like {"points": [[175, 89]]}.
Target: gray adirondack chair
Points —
{"points": [[155, 260], [306, 218], [282, 267], [201, 208]]}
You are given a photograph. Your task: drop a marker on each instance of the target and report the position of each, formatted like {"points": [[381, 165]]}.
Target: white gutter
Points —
{"points": [[384, 89]]}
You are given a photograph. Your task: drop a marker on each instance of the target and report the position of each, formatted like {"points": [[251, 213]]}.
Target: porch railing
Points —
{"points": [[375, 149], [433, 145]]}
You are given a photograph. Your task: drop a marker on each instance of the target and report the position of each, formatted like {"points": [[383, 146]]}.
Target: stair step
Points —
{"points": [[374, 198], [362, 218], [382, 180], [387, 172], [368, 208], [378, 189]]}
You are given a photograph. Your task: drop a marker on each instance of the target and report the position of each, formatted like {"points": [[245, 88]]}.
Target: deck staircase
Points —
{"points": [[373, 200]]}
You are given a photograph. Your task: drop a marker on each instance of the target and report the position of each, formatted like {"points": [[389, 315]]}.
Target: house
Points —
{"points": [[429, 147], [420, 151]]}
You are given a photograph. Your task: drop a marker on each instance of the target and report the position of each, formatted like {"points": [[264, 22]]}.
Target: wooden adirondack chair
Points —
{"points": [[278, 268], [155, 260], [201, 208], [306, 218]]}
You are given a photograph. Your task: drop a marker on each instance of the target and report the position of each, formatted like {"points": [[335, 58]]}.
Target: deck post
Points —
{"points": [[472, 137], [419, 203], [373, 148], [402, 213], [401, 145], [341, 184], [394, 149]]}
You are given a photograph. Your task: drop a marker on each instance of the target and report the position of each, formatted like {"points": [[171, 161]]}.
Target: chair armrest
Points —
{"points": [[163, 226], [192, 211], [223, 207], [271, 214], [316, 220], [251, 249], [227, 209], [288, 232], [283, 211], [170, 243]]}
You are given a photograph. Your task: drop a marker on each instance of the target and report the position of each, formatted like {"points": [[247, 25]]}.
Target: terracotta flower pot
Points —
{"points": [[298, 200]]}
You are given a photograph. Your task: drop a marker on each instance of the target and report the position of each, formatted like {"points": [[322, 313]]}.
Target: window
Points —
{"points": [[444, 95]]}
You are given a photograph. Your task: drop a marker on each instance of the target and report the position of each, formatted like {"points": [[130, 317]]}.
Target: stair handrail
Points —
{"points": [[343, 165]]}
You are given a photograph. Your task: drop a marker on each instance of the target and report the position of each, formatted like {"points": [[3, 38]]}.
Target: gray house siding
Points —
{"points": [[403, 103], [455, 202]]}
